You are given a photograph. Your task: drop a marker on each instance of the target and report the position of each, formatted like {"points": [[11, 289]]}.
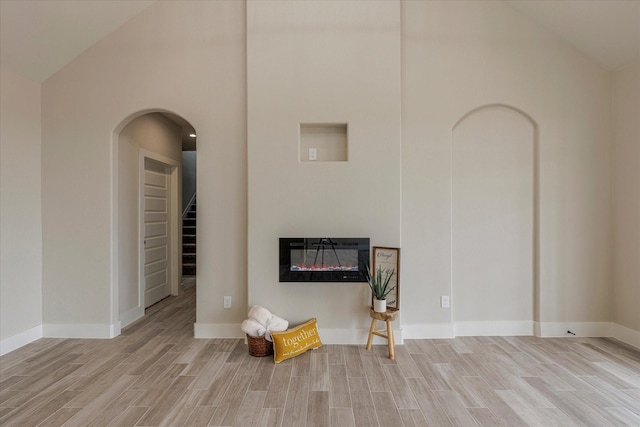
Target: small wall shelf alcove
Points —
{"points": [[323, 142]]}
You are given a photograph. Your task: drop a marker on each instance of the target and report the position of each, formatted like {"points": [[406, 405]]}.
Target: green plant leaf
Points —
{"points": [[379, 282]]}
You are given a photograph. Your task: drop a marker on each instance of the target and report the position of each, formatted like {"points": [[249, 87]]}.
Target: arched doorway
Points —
{"points": [[147, 153], [494, 222]]}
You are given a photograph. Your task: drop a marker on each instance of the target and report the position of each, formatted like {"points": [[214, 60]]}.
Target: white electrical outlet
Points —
{"points": [[444, 301], [227, 302], [313, 154]]}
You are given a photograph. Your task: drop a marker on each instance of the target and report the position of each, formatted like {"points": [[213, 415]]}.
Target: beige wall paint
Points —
{"points": [[184, 57], [458, 56], [626, 198], [492, 217], [190, 58], [154, 133], [337, 62], [20, 208]]}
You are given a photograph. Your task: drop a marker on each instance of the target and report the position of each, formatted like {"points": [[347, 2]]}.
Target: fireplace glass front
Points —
{"points": [[323, 259]]}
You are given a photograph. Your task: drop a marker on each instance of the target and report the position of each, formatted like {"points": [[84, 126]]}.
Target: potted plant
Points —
{"points": [[379, 284]]}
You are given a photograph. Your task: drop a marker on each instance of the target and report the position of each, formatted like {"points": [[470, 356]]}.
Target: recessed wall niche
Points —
{"points": [[323, 142]]}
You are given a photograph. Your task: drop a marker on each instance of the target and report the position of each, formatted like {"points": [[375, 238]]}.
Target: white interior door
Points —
{"points": [[493, 206], [156, 238]]}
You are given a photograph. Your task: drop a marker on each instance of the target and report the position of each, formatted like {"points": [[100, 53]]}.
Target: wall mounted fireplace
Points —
{"points": [[323, 259]]}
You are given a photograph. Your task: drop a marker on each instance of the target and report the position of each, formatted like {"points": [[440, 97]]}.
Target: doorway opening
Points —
{"points": [[148, 211], [189, 205]]}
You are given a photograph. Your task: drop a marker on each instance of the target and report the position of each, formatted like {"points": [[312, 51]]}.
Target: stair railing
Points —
{"points": [[188, 208]]}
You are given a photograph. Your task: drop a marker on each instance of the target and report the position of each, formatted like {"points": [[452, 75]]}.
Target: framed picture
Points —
{"points": [[388, 259]]}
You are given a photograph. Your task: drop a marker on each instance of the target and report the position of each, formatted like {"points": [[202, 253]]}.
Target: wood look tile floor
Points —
{"points": [[157, 374]]}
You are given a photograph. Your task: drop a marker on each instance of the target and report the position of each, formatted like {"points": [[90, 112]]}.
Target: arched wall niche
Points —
{"points": [[158, 137], [495, 222], [498, 106]]}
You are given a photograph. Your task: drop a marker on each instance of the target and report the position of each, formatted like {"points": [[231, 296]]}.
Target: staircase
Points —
{"points": [[189, 242]]}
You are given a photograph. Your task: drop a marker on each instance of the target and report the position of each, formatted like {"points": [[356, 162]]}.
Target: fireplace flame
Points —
{"points": [[324, 267]]}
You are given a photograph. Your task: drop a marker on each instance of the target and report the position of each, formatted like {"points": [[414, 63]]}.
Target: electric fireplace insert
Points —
{"points": [[323, 259]]}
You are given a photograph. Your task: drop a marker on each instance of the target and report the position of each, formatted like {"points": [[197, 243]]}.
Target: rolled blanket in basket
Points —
{"points": [[260, 315], [253, 328], [276, 324]]}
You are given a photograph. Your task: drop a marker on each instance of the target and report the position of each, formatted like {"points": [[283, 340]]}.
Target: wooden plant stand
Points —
{"points": [[389, 316]]}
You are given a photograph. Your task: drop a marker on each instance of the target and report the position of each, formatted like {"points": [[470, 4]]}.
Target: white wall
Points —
{"points": [[184, 57], [341, 66], [324, 62], [492, 219], [626, 184], [20, 212], [157, 134], [458, 56]]}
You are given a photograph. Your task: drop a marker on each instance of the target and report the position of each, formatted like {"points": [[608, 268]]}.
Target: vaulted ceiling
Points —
{"points": [[607, 31], [38, 37]]}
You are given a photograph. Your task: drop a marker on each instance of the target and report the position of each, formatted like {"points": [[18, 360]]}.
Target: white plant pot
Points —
{"points": [[379, 305]]}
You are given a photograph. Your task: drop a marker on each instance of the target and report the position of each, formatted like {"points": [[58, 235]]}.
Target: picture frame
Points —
{"points": [[388, 258]]}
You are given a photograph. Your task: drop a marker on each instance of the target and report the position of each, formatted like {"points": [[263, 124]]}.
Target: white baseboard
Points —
{"points": [[351, 336], [428, 331], [128, 317], [486, 329], [80, 330], [327, 335], [626, 335], [580, 329], [345, 336], [524, 328], [21, 339], [115, 329], [217, 330]]}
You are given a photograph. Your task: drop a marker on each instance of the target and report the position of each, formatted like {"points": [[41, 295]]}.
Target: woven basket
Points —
{"points": [[259, 346]]}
